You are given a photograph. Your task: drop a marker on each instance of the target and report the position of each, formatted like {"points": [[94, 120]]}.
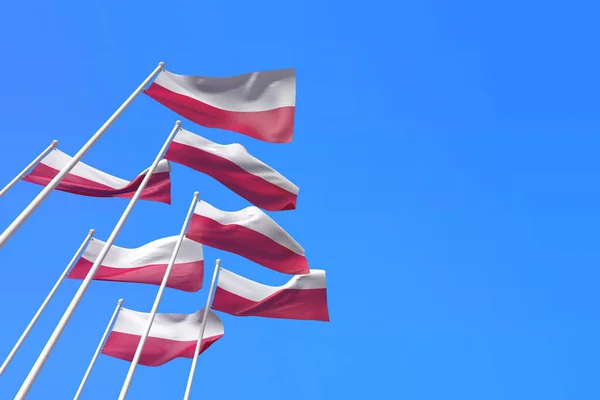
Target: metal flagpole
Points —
{"points": [[35, 370], [31, 207], [140, 347], [188, 388], [45, 303], [98, 349], [29, 167]]}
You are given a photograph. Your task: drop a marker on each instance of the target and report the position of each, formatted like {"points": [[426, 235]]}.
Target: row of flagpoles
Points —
{"points": [[260, 105]]}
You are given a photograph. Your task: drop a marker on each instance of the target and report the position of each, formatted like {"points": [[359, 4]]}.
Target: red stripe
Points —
{"points": [[156, 351], [253, 188], [184, 276], [275, 126], [247, 243], [302, 304], [157, 189]]}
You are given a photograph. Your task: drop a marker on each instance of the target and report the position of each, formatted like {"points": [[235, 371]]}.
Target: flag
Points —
{"points": [[249, 233], [88, 181], [171, 336], [259, 104], [304, 297], [235, 168], [146, 264]]}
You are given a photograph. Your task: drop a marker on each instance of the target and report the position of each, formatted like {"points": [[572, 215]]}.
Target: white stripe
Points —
{"points": [[237, 154], [256, 292], [253, 92], [252, 218], [153, 253], [162, 166], [57, 160], [179, 327]]}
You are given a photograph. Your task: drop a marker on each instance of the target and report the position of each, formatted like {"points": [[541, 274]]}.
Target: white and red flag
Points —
{"points": [[88, 181], [235, 168], [146, 264], [259, 104], [249, 233], [304, 297], [171, 336]]}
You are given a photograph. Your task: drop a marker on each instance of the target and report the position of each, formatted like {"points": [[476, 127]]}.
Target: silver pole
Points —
{"points": [[29, 167], [98, 349], [26, 213], [140, 347], [37, 367], [188, 388], [45, 303]]}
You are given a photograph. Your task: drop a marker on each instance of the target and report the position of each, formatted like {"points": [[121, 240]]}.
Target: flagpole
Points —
{"points": [[161, 289], [188, 388], [31, 207], [28, 168], [35, 370], [45, 303], [98, 349]]}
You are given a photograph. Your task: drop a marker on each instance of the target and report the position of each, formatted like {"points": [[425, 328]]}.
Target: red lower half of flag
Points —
{"points": [[184, 276], [156, 352], [275, 126], [301, 304]]}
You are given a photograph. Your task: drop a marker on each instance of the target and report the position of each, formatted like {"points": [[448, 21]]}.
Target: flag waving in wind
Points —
{"points": [[171, 336], [235, 168], [259, 104], [146, 264], [304, 297], [249, 233], [88, 181]]}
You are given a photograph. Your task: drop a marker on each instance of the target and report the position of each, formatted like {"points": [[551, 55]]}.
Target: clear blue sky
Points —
{"points": [[447, 159]]}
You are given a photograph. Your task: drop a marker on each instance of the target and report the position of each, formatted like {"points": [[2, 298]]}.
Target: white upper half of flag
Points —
{"points": [[157, 252], [257, 292], [252, 218], [237, 154], [252, 92], [179, 327], [56, 159]]}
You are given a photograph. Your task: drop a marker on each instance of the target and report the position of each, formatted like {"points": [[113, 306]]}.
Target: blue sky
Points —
{"points": [[446, 154]]}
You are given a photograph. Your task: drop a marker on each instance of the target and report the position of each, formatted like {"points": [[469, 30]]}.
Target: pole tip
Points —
{"points": [[120, 301], [178, 123], [92, 231], [54, 143], [196, 194], [218, 261], [161, 64]]}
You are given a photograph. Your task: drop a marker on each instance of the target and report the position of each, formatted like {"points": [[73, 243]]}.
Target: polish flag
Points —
{"points": [[146, 264], [259, 104], [235, 168], [304, 297], [88, 181], [171, 336], [249, 233]]}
